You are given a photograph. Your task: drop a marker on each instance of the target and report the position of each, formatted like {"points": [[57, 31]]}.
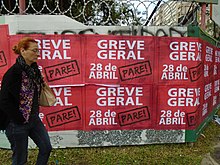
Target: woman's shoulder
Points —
{"points": [[13, 72]]}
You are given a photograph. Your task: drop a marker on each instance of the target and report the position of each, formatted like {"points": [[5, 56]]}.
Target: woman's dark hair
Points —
{"points": [[23, 43]]}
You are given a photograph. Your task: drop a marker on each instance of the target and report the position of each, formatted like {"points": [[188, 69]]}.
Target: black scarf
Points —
{"points": [[32, 71], [30, 76]]}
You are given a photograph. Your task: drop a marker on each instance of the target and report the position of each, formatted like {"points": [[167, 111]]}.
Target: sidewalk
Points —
{"points": [[212, 158]]}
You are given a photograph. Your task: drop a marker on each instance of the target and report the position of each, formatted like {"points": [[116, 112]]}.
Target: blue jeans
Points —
{"points": [[18, 138]]}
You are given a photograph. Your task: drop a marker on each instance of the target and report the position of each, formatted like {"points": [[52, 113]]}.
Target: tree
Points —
{"points": [[105, 12], [95, 12]]}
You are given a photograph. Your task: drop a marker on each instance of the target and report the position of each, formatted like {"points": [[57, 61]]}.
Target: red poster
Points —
{"points": [[209, 99], [119, 59], [67, 113], [118, 107], [4, 53], [179, 106], [216, 73], [60, 58], [180, 60], [216, 93], [210, 67], [217, 62]]}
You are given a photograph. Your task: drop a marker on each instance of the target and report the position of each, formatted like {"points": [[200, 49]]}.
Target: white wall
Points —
{"points": [[58, 24], [216, 13]]}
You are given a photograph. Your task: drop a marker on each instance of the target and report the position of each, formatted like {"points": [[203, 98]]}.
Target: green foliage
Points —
{"points": [[155, 154], [105, 13]]}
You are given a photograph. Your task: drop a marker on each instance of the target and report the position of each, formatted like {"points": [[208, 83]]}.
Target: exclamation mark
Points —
{"points": [[74, 113], [73, 67], [145, 66], [144, 113], [1, 60]]}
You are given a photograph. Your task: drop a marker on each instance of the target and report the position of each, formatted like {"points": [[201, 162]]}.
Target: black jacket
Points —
{"points": [[9, 95]]}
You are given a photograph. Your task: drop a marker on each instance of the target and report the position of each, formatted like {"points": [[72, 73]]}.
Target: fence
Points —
{"points": [[109, 12]]}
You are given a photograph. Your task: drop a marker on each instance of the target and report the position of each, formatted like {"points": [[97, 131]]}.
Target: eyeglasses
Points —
{"points": [[34, 50]]}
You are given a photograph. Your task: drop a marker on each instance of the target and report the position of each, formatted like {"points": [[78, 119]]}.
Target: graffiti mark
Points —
{"points": [[135, 31], [87, 30], [123, 32], [145, 32], [161, 30], [68, 32], [56, 139], [31, 32]]}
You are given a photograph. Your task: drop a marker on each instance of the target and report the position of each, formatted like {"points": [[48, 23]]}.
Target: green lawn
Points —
{"points": [[167, 154]]}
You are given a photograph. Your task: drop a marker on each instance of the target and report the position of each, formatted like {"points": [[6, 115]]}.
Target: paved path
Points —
{"points": [[212, 158]]}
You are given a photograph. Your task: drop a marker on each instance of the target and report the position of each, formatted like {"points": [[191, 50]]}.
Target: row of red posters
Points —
{"points": [[98, 59], [128, 107]]}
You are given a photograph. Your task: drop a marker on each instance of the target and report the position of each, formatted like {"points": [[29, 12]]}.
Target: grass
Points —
{"points": [[155, 154]]}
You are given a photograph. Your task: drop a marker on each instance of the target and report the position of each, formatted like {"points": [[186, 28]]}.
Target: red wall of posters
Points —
{"points": [[104, 82]]}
